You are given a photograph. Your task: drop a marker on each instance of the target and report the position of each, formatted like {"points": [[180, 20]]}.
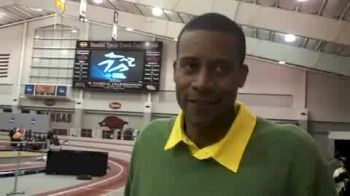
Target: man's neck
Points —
{"points": [[205, 136]]}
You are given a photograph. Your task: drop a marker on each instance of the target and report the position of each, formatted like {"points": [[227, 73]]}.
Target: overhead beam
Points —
{"points": [[4, 3], [345, 11], [324, 2]]}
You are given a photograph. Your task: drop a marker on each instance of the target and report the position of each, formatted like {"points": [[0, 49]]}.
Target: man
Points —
{"points": [[217, 147], [341, 177]]}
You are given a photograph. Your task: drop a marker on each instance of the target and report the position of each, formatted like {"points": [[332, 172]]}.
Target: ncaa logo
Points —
{"points": [[83, 44]]}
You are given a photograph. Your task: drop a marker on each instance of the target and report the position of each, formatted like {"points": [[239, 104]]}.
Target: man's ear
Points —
{"points": [[244, 70], [174, 69]]}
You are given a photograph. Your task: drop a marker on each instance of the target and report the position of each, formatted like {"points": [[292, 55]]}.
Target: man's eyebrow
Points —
{"points": [[221, 61], [188, 58]]}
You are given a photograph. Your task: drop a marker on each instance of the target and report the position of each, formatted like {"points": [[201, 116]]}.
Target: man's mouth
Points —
{"points": [[203, 101]]}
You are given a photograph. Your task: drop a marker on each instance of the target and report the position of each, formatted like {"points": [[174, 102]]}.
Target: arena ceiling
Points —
{"points": [[318, 30]]}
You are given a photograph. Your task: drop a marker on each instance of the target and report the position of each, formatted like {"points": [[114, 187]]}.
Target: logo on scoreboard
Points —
{"points": [[83, 44]]}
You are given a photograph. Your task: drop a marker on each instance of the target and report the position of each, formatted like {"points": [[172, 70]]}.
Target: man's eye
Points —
{"points": [[190, 66], [221, 68]]}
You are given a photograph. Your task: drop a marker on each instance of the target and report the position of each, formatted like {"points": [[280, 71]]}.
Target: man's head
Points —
{"points": [[209, 67]]}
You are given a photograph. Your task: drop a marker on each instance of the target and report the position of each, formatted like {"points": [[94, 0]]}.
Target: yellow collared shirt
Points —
{"points": [[229, 150]]}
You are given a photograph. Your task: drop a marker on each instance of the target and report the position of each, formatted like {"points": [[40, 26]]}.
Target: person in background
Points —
{"points": [[28, 135], [13, 139], [342, 177], [217, 146]]}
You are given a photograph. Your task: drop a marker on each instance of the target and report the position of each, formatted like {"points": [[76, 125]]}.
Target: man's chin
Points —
{"points": [[200, 121]]}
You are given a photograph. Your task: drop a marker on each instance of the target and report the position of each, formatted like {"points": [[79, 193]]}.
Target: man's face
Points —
{"points": [[207, 74]]}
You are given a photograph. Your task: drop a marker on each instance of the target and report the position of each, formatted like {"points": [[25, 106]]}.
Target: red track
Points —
{"points": [[118, 181], [115, 178]]}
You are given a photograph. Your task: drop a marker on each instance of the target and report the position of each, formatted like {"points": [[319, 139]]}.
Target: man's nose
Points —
{"points": [[203, 80]]}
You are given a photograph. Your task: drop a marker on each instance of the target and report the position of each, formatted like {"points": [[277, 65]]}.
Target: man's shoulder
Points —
{"points": [[285, 133], [158, 125], [157, 129]]}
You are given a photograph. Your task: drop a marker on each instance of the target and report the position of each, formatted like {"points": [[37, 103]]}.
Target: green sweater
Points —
{"points": [[279, 160]]}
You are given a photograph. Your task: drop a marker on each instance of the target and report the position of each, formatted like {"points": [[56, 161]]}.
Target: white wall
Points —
{"points": [[10, 42], [328, 98], [272, 90], [284, 91], [268, 78]]}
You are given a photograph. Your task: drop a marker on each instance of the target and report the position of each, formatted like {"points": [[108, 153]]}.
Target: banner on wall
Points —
{"points": [[113, 122], [29, 89], [61, 117], [115, 25], [61, 4], [61, 91], [45, 90], [82, 12]]}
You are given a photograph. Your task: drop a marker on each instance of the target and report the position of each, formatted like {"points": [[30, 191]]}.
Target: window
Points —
{"points": [[60, 132], [24, 111], [86, 133], [107, 134], [53, 54], [7, 110], [39, 112]]}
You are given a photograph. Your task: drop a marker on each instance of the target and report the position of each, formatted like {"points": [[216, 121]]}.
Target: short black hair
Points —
{"points": [[220, 23]]}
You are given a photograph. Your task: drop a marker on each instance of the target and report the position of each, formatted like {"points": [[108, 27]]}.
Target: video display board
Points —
{"points": [[117, 65]]}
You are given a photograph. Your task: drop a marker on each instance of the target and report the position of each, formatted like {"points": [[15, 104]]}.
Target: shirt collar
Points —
{"points": [[229, 150]]}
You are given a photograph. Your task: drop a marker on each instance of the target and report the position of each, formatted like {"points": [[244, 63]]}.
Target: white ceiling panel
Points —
{"points": [[186, 17], [248, 31], [330, 48], [7, 16], [288, 4], [267, 2], [12, 11], [310, 7], [173, 16], [144, 10], [118, 5], [311, 44], [347, 15], [130, 7], [345, 51], [31, 11], [15, 12], [334, 8], [263, 34]]}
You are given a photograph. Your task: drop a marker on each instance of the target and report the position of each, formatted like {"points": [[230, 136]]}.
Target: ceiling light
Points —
{"points": [[290, 38], [37, 9], [175, 39], [74, 31], [37, 37], [98, 1], [157, 11], [302, 0], [129, 29], [2, 14], [281, 62]]}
